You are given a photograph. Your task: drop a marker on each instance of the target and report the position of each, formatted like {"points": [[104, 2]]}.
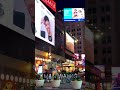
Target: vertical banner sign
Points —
{"points": [[50, 3]]}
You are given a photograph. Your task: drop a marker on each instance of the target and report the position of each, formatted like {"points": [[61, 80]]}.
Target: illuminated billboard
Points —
{"points": [[51, 4], [44, 23], [69, 43], [74, 14], [80, 63]]}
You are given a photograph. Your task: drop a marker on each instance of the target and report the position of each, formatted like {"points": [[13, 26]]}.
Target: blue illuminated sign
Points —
{"points": [[74, 14]]}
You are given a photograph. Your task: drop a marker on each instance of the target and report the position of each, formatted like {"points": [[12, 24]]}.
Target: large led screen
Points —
{"points": [[44, 23], [74, 14], [69, 43]]}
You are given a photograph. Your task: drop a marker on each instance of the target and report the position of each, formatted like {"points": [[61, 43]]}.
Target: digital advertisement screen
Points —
{"points": [[38, 66], [69, 43], [44, 23], [74, 14]]}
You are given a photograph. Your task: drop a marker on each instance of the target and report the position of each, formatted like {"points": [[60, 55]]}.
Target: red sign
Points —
{"points": [[51, 4]]}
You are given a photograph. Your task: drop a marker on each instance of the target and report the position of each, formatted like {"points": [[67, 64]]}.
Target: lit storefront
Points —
{"points": [[47, 61], [68, 66], [41, 62]]}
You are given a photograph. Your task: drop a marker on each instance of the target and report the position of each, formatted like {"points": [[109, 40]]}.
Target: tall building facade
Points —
{"points": [[84, 42], [76, 29], [98, 18], [102, 16]]}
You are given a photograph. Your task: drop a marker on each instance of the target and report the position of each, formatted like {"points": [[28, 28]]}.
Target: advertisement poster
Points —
{"points": [[44, 23], [38, 66], [115, 78], [74, 14], [69, 43]]}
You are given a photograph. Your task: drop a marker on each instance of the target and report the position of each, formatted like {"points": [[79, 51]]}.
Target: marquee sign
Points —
{"points": [[51, 4]]}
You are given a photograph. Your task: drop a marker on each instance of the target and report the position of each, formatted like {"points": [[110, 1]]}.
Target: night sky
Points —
{"points": [[60, 4]]}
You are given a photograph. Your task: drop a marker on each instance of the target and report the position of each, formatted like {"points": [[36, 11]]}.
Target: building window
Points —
{"points": [[104, 60], [103, 41], [103, 20], [73, 30], [109, 50], [104, 51], [107, 8], [89, 10], [79, 51], [79, 47], [79, 29], [94, 10], [94, 20], [80, 42], [79, 33], [90, 21], [103, 27], [102, 9], [109, 39], [108, 18], [109, 61], [95, 51]]}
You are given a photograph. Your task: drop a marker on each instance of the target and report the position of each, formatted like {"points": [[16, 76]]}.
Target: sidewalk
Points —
{"points": [[63, 86]]}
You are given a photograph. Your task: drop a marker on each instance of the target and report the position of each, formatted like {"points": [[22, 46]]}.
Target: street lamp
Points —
{"points": [[76, 40]]}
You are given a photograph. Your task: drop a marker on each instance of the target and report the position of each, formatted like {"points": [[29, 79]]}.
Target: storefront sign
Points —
{"points": [[51, 4], [67, 64]]}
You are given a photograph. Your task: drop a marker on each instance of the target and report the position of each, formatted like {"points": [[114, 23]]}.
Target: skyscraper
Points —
{"points": [[102, 17], [76, 29]]}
